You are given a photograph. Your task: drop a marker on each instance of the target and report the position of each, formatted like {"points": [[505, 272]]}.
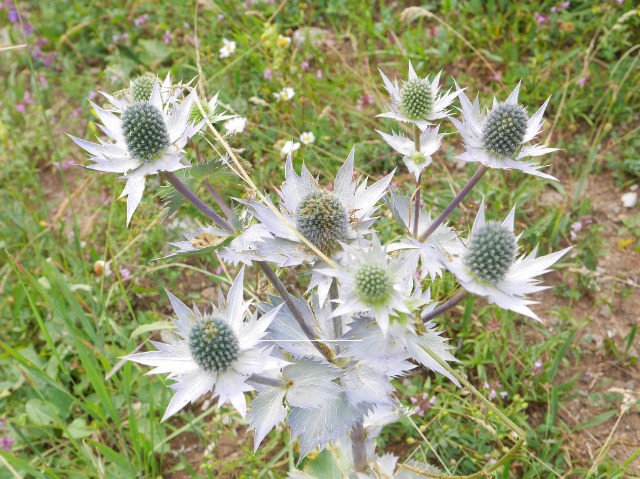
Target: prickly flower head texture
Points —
{"points": [[326, 219], [414, 159], [370, 282], [214, 352], [418, 100], [499, 137], [147, 137], [488, 266]]}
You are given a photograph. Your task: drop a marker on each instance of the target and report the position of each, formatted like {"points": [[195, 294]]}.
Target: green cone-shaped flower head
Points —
{"points": [[213, 344], [142, 87], [322, 219], [145, 131], [505, 129], [491, 252], [374, 285], [416, 99]]}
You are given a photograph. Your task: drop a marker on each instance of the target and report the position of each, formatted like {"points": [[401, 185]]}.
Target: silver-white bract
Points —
{"points": [[442, 243], [415, 160], [471, 126], [191, 381], [113, 156], [400, 273], [520, 280], [285, 248], [439, 102]]}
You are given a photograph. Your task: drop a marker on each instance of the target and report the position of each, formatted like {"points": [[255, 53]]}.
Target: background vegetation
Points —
{"points": [[71, 409]]}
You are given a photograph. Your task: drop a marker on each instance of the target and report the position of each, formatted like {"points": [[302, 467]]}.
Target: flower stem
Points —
{"points": [[456, 201], [510, 424], [267, 381], [337, 321], [416, 214], [218, 199], [295, 310], [197, 202], [273, 278], [447, 305], [358, 448]]}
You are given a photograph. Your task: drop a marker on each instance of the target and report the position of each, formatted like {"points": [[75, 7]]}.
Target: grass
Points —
{"points": [[75, 410]]}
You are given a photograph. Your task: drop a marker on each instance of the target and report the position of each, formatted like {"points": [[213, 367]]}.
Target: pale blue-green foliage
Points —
{"points": [[213, 345], [311, 382], [317, 426], [416, 99], [322, 219], [505, 129], [373, 284], [145, 131], [492, 251]]}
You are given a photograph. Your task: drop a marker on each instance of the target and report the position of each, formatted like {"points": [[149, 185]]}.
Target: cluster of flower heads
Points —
{"points": [[326, 364]]}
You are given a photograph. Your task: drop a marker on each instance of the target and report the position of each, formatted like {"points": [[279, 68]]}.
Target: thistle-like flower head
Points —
{"points": [[415, 160], [418, 100], [371, 283], [147, 137], [498, 137], [216, 351], [487, 266], [326, 218]]}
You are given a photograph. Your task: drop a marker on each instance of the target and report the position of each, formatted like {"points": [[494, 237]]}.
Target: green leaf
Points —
{"points": [[40, 413]]}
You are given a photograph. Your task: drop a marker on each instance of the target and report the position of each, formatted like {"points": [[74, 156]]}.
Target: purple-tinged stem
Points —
{"points": [[456, 201], [218, 199], [446, 306], [197, 202]]}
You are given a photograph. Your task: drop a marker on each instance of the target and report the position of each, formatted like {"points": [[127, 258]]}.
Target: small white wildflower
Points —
{"points": [[228, 47], [630, 199], [284, 42], [307, 137], [235, 125], [289, 147], [285, 94]]}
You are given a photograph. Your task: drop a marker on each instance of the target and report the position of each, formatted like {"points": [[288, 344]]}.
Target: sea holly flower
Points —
{"points": [[141, 88], [371, 283], [497, 137], [327, 219], [217, 351], [415, 160], [147, 138], [418, 101], [488, 265], [196, 118], [436, 248]]}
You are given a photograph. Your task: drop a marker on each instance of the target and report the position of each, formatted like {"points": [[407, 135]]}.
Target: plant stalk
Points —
{"points": [[417, 198], [297, 314], [446, 306], [273, 278], [455, 202], [197, 202], [358, 448]]}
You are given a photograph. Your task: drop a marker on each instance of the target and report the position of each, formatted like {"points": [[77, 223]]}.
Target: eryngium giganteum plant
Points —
{"points": [[322, 361]]}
